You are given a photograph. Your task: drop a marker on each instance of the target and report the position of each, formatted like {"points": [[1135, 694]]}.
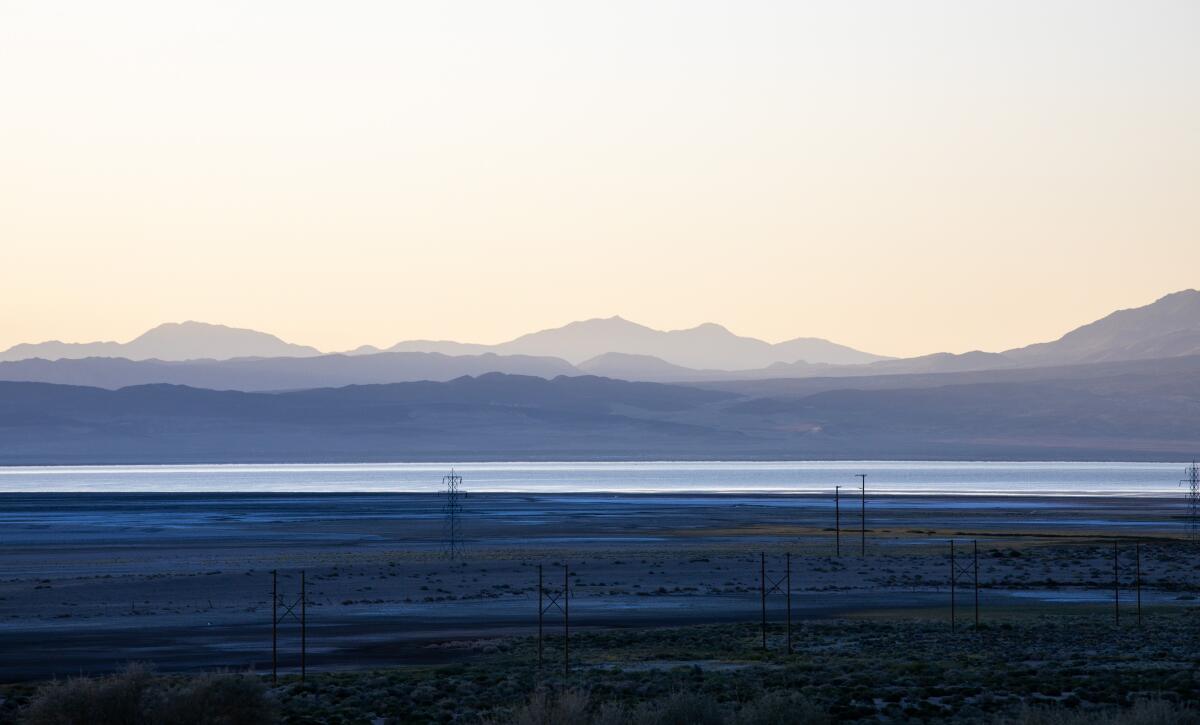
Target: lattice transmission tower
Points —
{"points": [[452, 510], [1191, 479]]}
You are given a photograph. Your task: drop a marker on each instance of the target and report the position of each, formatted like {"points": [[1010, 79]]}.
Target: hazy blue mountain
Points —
{"points": [[449, 347], [818, 351], [645, 367], [614, 346], [705, 347], [1137, 411], [494, 417], [653, 369], [1144, 415], [279, 373], [939, 362], [363, 350], [1167, 328], [797, 387], [636, 367], [170, 341]]}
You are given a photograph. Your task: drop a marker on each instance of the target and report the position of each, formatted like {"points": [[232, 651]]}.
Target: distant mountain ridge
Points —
{"points": [[279, 373], [705, 347], [170, 341], [1144, 410], [1168, 327], [611, 347]]}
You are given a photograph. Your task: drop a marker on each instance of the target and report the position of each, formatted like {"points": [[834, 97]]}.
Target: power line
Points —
{"points": [[863, 529], [1192, 481]]}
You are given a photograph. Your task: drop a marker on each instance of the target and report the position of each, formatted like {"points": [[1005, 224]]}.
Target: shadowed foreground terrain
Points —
{"points": [[665, 600], [1025, 667]]}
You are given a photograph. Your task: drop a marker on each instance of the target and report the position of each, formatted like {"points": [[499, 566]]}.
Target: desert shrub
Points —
{"points": [[136, 697], [1143, 712], [779, 708], [680, 708], [574, 707], [544, 708], [611, 713], [214, 699], [113, 700]]}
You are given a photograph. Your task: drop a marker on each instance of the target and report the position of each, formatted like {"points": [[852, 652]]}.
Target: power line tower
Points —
{"points": [[863, 522], [452, 510], [1192, 481]]}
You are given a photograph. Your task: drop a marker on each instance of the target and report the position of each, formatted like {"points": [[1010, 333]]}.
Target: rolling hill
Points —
{"points": [[259, 374], [1128, 413]]}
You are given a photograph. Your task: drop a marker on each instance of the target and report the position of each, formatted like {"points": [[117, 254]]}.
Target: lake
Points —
{"points": [[883, 477]]}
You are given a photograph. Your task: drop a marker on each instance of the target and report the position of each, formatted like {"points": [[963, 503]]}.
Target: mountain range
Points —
{"points": [[214, 356], [705, 346], [1168, 327], [274, 374], [1142, 410], [1126, 387]]}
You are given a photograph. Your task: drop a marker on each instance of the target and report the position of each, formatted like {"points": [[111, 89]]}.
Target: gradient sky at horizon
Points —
{"points": [[904, 178]]}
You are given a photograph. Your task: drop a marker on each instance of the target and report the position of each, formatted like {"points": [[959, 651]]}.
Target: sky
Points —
{"points": [[904, 178]]}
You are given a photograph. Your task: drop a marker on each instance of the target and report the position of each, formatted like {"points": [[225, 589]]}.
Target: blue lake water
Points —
{"points": [[883, 477]]}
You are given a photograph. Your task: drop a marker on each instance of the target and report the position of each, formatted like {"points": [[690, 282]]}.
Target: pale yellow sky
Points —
{"points": [[900, 177]]}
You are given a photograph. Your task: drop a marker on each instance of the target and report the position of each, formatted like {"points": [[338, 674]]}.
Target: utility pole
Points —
{"points": [[1116, 586], [541, 612], [837, 518], [452, 525], [959, 573], [561, 601], [953, 576], [288, 608], [1137, 552], [976, 543], [566, 619], [775, 584], [1192, 481], [762, 591], [863, 549], [789, 602], [303, 627]]}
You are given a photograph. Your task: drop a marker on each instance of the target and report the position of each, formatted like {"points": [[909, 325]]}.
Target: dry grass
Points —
{"points": [[575, 707], [136, 696], [1143, 712]]}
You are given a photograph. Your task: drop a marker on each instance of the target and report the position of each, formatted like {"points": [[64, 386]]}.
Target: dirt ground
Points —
{"points": [[91, 581]]}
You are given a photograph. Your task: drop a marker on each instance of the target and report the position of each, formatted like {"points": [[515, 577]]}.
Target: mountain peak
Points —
{"points": [[707, 346], [174, 341], [613, 321], [1186, 297], [191, 340], [711, 327], [1167, 327], [190, 327]]}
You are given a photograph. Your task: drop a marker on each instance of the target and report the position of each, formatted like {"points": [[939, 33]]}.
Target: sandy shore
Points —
{"points": [[90, 581]]}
